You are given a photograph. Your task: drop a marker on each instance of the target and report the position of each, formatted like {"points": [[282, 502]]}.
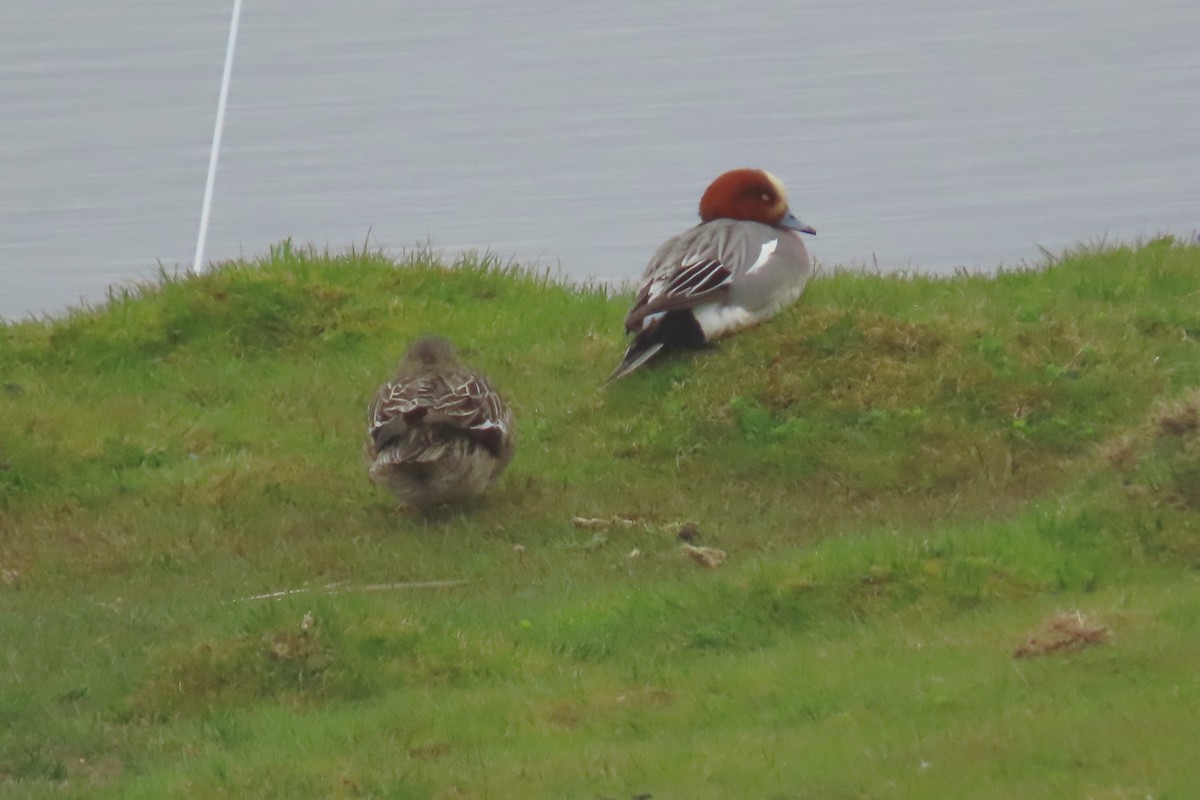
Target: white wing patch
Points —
{"points": [[764, 255]]}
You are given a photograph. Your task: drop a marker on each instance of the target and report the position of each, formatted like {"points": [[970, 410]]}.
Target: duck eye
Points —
{"points": [[766, 198]]}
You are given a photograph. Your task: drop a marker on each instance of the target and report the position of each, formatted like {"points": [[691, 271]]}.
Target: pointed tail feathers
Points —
{"points": [[637, 354]]}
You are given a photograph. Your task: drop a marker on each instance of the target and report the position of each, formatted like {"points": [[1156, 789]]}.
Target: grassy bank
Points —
{"points": [[910, 478]]}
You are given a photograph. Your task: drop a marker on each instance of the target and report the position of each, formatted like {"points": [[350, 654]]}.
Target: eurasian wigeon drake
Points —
{"points": [[437, 432], [742, 264]]}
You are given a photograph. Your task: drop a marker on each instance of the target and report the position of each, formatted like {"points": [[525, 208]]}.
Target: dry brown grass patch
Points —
{"points": [[1181, 419], [1063, 632]]}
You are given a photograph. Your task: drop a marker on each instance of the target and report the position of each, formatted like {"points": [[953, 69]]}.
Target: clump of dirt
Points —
{"points": [[1064, 632], [1182, 419]]}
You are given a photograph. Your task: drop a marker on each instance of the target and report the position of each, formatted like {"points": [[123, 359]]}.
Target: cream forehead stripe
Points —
{"points": [[778, 186]]}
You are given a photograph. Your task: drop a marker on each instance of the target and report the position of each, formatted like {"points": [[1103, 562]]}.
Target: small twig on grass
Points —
{"points": [[603, 523], [709, 557], [340, 588]]}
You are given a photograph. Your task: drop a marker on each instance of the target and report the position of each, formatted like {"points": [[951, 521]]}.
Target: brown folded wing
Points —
{"points": [[462, 402]]}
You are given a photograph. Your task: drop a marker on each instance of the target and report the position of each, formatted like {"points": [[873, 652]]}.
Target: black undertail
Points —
{"points": [[678, 329], [675, 330]]}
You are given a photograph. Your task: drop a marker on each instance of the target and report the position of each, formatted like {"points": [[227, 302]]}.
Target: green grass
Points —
{"points": [[910, 475]]}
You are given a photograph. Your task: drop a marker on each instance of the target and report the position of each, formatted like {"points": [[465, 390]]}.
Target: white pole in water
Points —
{"points": [[198, 263]]}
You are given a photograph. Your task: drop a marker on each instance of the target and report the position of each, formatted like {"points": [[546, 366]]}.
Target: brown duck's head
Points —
{"points": [[431, 350]]}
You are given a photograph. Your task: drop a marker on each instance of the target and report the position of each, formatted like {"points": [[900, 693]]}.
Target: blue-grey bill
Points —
{"points": [[789, 221]]}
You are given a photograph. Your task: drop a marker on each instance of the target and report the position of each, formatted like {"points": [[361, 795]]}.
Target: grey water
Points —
{"points": [[928, 135]]}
